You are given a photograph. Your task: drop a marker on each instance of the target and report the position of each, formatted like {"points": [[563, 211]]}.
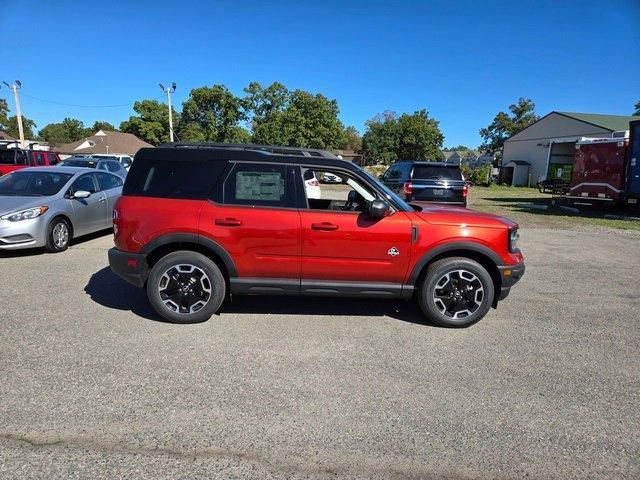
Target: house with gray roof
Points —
{"points": [[546, 148]]}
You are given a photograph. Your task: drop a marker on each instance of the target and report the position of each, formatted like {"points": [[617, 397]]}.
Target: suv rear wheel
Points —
{"points": [[186, 287], [456, 292]]}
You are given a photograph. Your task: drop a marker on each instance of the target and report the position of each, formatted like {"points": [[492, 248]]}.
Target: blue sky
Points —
{"points": [[462, 61]]}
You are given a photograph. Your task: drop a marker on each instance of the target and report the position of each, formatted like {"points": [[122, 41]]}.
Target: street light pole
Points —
{"points": [[169, 91], [16, 98]]}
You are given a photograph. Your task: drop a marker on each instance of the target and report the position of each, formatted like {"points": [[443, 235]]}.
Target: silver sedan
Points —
{"points": [[48, 206]]}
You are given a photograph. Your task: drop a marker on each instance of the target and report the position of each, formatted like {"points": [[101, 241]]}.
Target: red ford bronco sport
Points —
{"points": [[199, 222]]}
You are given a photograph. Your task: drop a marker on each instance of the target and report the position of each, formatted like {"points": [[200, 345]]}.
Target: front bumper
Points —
{"points": [[131, 267], [23, 234], [509, 275]]}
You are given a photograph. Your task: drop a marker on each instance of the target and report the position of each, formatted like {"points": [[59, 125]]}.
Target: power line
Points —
{"points": [[85, 106]]}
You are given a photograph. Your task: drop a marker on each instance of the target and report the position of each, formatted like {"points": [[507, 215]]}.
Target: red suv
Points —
{"points": [[199, 222], [12, 159]]}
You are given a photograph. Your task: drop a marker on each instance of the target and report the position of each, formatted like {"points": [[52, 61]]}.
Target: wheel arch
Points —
{"points": [[483, 255], [67, 219], [161, 246]]}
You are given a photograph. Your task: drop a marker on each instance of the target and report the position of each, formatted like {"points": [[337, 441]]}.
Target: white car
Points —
{"points": [[312, 185], [331, 178]]}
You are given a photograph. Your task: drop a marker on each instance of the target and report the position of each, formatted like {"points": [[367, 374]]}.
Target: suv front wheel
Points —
{"points": [[456, 292], [186, 287]]}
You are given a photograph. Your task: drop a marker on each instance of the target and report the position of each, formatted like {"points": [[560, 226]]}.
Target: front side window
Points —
{"points": [[107, 181], [337, 191], [53, 159], [85, 182], [258, 184], [113, 166]]}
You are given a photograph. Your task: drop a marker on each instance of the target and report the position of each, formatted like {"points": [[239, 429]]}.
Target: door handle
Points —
{"points": [[228, 222], [102, 200], [328, 226]]}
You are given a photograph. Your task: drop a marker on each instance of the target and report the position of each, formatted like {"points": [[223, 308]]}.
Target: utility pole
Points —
{"points": [[169, 91], [15, 86]]}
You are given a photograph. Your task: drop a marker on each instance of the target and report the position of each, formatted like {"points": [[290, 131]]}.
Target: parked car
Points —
{"points": [[331, 178], [112, 166], [427, 182], [48, 206], [195, 224], [125, 160], [12, 159]]}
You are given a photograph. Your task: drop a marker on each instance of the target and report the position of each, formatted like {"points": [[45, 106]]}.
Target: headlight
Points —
{"points": [[27, 214], [514, 236]]}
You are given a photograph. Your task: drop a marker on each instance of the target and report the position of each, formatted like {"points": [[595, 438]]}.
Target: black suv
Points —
{"points": [[427, 182]]}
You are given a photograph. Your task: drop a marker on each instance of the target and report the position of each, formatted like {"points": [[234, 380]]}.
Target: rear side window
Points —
{"points": [[39, 158], [173, 178], [106, 181], [259, 184], [424, 172]]}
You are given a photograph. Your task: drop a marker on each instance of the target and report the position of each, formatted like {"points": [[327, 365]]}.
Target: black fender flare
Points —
{"points": [[194, 239], [451, 247]]}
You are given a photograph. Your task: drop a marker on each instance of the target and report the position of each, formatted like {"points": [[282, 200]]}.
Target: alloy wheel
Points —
{"points": [[458, 294], [60, 235], [184, 288]]}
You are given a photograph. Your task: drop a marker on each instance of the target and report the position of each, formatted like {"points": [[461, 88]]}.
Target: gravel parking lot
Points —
{"points": [[547, 386]]}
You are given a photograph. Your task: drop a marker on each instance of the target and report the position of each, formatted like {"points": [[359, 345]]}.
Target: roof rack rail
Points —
{"points": [[271, 149]]}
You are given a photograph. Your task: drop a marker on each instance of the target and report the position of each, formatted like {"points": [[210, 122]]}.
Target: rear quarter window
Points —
{"points": [[178, 178]]}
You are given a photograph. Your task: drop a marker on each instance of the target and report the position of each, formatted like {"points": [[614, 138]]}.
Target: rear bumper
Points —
{"points": [[131, 267], [510, 275]]}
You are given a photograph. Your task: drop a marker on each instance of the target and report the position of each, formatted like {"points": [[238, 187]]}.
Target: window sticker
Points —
{"points": [[267, 186]]}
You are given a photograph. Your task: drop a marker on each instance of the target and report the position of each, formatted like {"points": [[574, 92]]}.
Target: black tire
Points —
{"points": [[59, 235], [181, 289], [472, 290]]}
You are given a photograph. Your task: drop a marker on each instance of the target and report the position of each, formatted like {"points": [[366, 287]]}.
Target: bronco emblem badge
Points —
{"points": [[393, 251]]}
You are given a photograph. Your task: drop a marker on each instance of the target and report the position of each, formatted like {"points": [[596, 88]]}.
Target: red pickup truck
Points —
{"points": [[16, 158]]}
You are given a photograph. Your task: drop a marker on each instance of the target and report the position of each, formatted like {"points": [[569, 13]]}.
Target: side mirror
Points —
{"points": [[379, 209], [81, 194]]}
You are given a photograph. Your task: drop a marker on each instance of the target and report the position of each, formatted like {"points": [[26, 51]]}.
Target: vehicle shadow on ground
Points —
{"points": [[28, 252], [108, 290]]}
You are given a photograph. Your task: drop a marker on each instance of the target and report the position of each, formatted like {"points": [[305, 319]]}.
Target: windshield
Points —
{"points": [[79, 163], [424, 172], [33, 184], [404, 206]]}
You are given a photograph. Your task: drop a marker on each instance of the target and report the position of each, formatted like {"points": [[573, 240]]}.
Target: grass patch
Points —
{"points": [[509, 202]]}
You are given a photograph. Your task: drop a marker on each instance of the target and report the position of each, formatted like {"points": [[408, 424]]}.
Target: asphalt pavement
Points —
{"points": [[94, 385]]}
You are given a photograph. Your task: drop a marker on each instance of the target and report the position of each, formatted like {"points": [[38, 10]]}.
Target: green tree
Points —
{"points": [[151, 123], [351, 139], [67, 131], [100, 125], [4, 114], [212, 114], [10, 124], [292, 118], [411, 136], [505, 125], [28, 126], [637, 107]]}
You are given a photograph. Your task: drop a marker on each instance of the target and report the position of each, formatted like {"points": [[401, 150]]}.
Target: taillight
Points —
{"points": [[407, 188], [465, 191]]}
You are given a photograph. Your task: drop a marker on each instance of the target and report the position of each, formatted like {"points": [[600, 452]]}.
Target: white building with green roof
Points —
{"points": [[545, 149]]}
